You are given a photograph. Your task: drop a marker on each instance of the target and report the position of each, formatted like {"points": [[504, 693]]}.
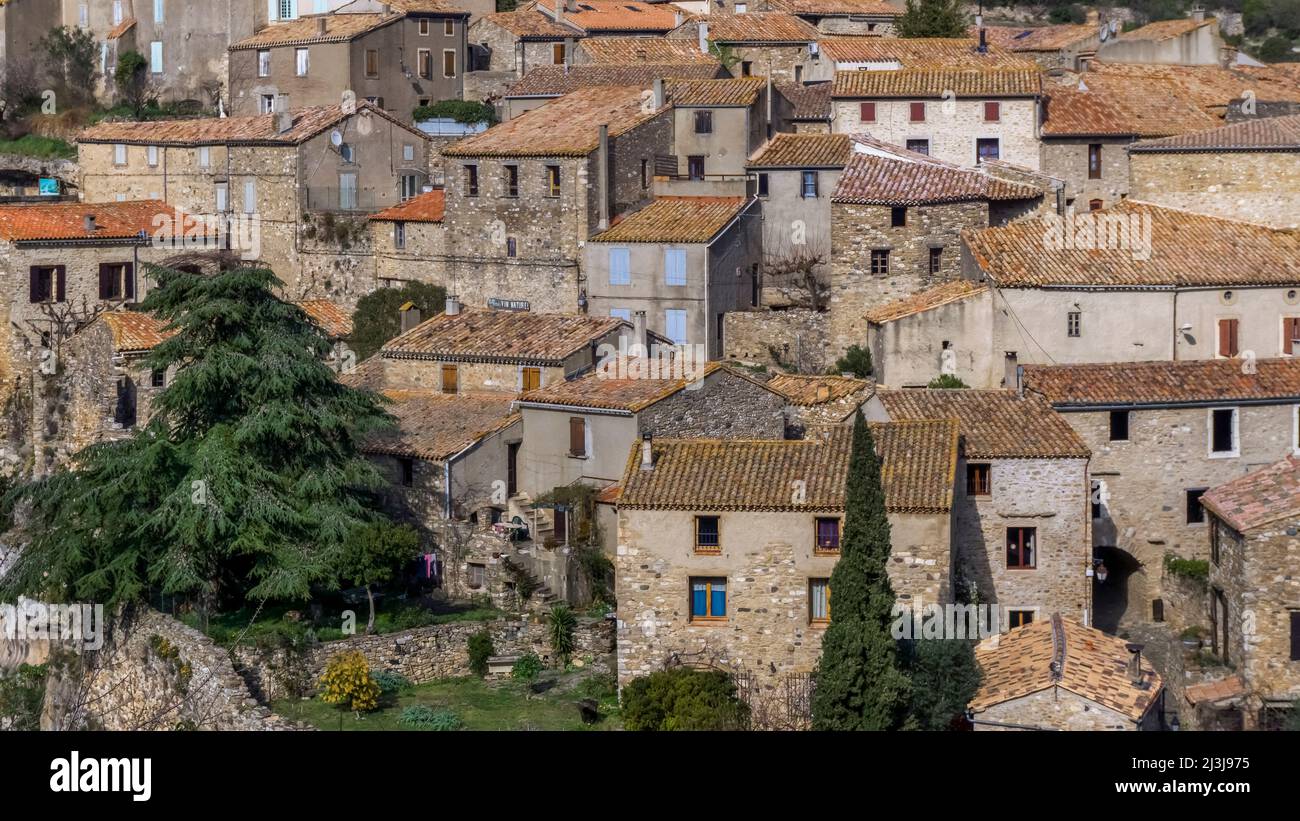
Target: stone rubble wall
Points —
{"points": [[798, 338]]}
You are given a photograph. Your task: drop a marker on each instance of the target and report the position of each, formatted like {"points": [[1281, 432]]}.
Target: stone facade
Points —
{"points": [[789, 339], [909, 351], [950, 129], [1057, 708], [421, 257], [1260, 186], [1068, 159], [511, 53]]}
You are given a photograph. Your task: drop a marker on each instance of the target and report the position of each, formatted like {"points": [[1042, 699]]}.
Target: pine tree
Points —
{"points": [[932, 18], [246, 480], [860, 685]]}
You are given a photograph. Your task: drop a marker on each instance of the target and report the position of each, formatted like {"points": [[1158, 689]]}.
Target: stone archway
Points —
{"points": [[1121, 597]]}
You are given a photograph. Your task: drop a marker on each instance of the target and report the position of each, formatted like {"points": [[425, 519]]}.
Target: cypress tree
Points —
{"points": [[860, 685]]}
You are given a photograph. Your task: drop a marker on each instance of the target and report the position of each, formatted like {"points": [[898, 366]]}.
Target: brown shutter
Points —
{"points": [[1227, 337], [1288, 333], [106, 288], [1232, 328], [577, 436], [128, 280], [61, 277], [35, 285]]}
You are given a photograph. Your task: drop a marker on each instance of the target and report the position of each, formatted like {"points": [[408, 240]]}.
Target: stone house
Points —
{"points": [[725, 548], [395, 56], [940, 330], [1255, 586], [1248, 170], [803, 108], [523, 197], [815, 401], [1136, 282], [717, 124], [897, 219], [795, 176], [684, 262], [1020, 528], [1191, 41], [1069, 46], [838, 18], [1057, 674], [409, 241], [631, 51], [772, 44], [1161, 433], [545, 83], [261, 174]]}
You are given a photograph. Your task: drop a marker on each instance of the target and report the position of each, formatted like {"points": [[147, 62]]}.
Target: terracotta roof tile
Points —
{"points": [[135, 332], [1165, 29], [339, 28], [527, 24], [1210, 87], [962, 82], [1092, 665], [1264, 496], [329, 316], [803, 151], [1103, 111], [426, 207], [918, 465], [555, 81], [1036, 38], [120, 29], [827, 8], [929, 299], [800, 389], [995, 424], [598, 390], [732, 91], [437, 426], [32, 222], [760, 27], [635, 50], [255, 130], [1267, 134], [809, 101], [922, 53], [676, 219], [872, 180], [1211, 691], [615, 15], [1195, 381], [1187, 249], [564, 127], [501, 336]]}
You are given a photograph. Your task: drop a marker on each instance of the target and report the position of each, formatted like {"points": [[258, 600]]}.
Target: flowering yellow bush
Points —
{"points": [[347, 681]]}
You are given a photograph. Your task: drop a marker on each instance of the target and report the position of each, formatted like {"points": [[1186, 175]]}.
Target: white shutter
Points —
{"points": [[157, 11], [250, 196], [155, 57]]}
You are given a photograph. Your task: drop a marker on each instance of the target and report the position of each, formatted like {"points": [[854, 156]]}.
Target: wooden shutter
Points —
{"points": [[867, 112], [36, 285], [128, 280], [106, 287], [449, 379], [61, 282], [1290, 329], [577, 436], [1228, 337], [1295, 635]]}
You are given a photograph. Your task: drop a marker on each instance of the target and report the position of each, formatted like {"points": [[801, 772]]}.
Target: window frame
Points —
{"points": [[867, 112], [449, 74], [471, 180], [451, 369], [1112, 418], [1188, 501], [703, 121], [701, 546], [371, 63], [424, 63], [553, 181], [936, 260], [912, 110], [302, 61], [670, 279], [579, 423], [1235, 450], [974, 486], [1232, 326], [1073, 324], [820, 549], [814, 619], [264, 62], [1031, 541], [621, 273], [399, 235], [510, 180], [996, 109], [1094, 161], [709, 582], [881, 255], [807, 176]]}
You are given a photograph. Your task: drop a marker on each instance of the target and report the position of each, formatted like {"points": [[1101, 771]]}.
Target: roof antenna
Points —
{"points": [[979, 23]]}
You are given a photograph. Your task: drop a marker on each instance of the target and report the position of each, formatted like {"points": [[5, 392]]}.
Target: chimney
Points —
{"points": [[1134, 663], [1198, 14], [677, 19], [568, 52], [823, 392], [559, 10], [704, 38], [647, 452], [408, 316], [1010, 370], [639, 334], [453, 305], [283, 119], [659, 93], [321, 25], [602, 176], [88, 222]]}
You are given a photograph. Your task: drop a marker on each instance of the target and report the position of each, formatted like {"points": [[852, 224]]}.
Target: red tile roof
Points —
{"points": [[1211, 691], [255, 130], [731, 91], [426, 207], [601, 391], [872, 180], [995, 424], [527, 24], [1267, 134], [1194, 381], [555, 81], [962, 82], [136, 219], [501, 336], [329, 316], [1210, 87], [635, 50], [922, 53], [1099, 111], [1166, 29], [676, 220], [808, 101], [1037, 38], [1265, 496], [927, 300], [339, 28], [437, 426], [803, 151], [615, 15], [836, 8], [135, 332], [758, 27]]}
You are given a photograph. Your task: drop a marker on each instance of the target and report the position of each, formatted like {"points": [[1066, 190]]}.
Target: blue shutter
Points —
{"points": [[674, 266], [699, 604], [719, 608], [675, 325], [624, 314], [620, 266]]}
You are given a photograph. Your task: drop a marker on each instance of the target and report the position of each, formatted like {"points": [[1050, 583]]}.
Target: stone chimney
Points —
{"points": [[1011, 371], [639, 334], [321, 25], [704, 38], [1092, 17], [453, 305], [1197, 13], [283, 119], [677, 19], [568, 52], [408, 316], [659, 98], [88, 223], [1134, 663], [559, 10], [647, 450]]}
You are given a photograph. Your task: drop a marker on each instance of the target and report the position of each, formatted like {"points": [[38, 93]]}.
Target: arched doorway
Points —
{"points": [[1120, 595]]}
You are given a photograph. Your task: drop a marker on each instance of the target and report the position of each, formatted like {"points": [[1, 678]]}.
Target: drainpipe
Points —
{"points": [[602, 176]]}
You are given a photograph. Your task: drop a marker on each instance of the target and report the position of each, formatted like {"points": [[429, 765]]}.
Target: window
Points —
{"points": [[301, 61], [155, 57], [119, 154], [47, 283], [512, 180], [1094, 161], [708, 599], [1119, 426], [117, 11], [348, 191], [1022, 551], [408, 471], [979, 480], [449, 28], [1295, 636], [205, 157], [867, 112], [828, 534], [266, 104], [879, 262], [741, 8], [530, 378], [1095, 205], [919, 146], [158, 378], [675, 325], [115, 281], [408, 152], [476, 573], [409, 187], [448, 62], [706, 535], [250, 196], [992, 112], [450, 379], [695, 167], [1072, 322], [83, 16], [577, 437], [620, 266], [372, 62], [898, 217], [1290, 334], [808, 185], [151, 153], [1223, 432], [557, 54], [512, 247], [552, 181], [264, 63], [764, 186], [1195, 513], [624, 314], [221, 193], [471, 180], [399, 235], [674, 266], [987, 148], [916, 112], [747, 68], [704, 122], [936, 260], [1019, 618], [819, 601], [645, 174], [424, 27], [288, 9], [1228, 337]]}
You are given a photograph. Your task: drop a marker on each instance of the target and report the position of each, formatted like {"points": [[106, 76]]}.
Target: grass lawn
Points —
{"points": [[481, 705], [43, 148]]}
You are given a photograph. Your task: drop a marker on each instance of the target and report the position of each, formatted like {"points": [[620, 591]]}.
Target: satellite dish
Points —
{"points": [[336, 138]]}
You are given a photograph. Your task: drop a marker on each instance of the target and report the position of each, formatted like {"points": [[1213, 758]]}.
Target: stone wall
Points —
{"points": [[430, 653], [795, 337], [1059, 709], [1259, 187], [725, 406]]}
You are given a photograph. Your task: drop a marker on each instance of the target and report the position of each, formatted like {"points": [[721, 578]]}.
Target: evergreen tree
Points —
{"points": [[246, 481], [374, 554], [376, 320], [856, 362], [945, 677], [932, 18], [859, 683]]}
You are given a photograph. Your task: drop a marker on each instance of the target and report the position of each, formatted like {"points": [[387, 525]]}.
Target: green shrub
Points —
{"points": [[561, 624], [376, 319], [22, 696], [424, 717], [480, 650], [855, 362], [1194, 569], [390, 683], [527, 668], [683, 699], [42, 148], [462, 111], [947, 381]]}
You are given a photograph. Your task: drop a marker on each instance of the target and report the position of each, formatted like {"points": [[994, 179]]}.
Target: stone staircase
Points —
{"points": [[540, 521]]}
